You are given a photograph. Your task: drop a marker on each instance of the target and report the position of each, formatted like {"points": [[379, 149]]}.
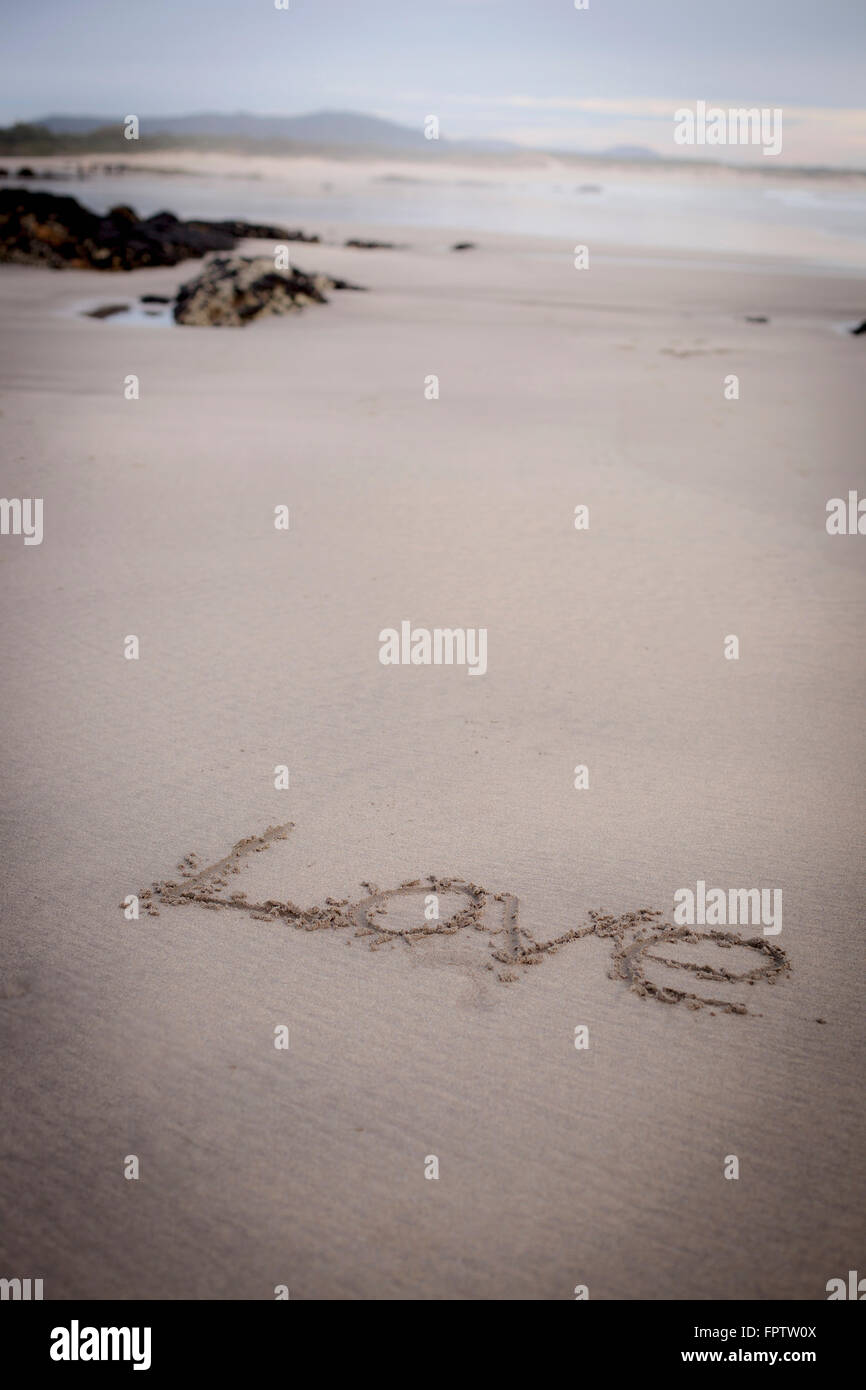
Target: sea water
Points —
{"points": [[793, 217]]}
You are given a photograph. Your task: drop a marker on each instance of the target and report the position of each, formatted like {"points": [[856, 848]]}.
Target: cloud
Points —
{"points": [[832, 135], [652, 107]]}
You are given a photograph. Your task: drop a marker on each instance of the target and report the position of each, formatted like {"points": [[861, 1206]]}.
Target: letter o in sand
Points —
{"points": [[366, 913]]}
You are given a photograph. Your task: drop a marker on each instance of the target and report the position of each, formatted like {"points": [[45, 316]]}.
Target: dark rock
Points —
{"points": [[154, 299], [361, 245], [346, 285], [25, 172], [4, 173], [255, 230], [757, 318], [42, 228], [105, 311], [463, 246], [232, 291], [861, 328]]}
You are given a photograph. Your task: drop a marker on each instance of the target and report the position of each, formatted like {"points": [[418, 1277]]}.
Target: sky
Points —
{"points": [[537, 72]]}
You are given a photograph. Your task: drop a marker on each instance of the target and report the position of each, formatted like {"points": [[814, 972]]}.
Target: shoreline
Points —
{"points": [[666, 211]]}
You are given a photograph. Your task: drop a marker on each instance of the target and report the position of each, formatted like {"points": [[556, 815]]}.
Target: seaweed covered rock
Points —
{"points": [[233, 290], [45, 229]]}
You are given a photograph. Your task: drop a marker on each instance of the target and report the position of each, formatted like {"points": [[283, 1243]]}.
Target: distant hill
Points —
{"points": [[350, 128], [331, 134], [630, 152], [332, 129]]}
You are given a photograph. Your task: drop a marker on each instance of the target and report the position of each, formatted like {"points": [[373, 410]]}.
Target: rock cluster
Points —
{"points": [[233, 290], [44, 229]]}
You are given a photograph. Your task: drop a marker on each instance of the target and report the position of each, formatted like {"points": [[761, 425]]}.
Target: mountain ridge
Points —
{"points": [[351, 129]]}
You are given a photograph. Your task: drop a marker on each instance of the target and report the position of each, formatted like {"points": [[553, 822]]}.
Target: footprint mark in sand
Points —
{"points": [[632, 935]]}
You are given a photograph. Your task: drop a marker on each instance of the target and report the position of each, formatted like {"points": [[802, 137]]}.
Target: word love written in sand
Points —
{"points": [[634, 937]]}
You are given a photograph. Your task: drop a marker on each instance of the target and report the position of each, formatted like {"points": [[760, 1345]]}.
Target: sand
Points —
{"points": [[558, 1165]]}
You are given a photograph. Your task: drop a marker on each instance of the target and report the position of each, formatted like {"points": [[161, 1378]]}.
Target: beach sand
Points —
{"points": [[558, 1167]]}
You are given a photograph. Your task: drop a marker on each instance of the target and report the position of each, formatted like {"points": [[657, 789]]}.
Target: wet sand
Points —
{"points": [[558, 1166]]}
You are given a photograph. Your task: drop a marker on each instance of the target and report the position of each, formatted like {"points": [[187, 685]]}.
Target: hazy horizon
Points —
{"points": [[539, 75]]}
